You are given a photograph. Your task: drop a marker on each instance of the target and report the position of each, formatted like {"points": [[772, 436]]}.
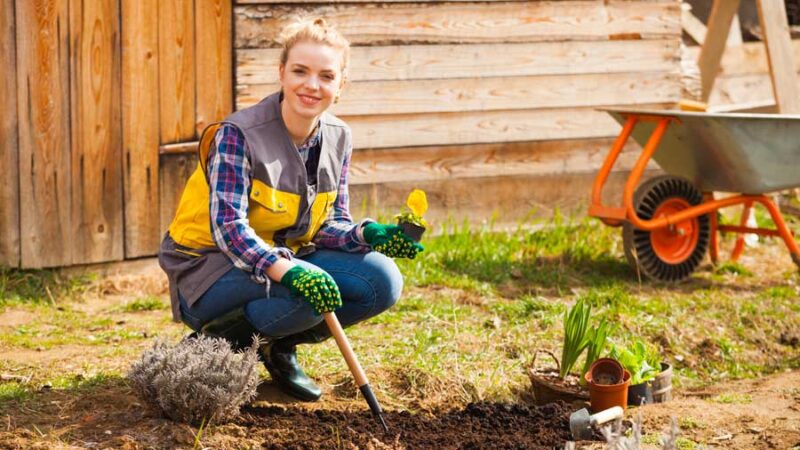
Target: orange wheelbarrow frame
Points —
{"points": [[617, 216]]}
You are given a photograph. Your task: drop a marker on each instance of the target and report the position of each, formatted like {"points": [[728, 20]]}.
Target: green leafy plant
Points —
{"points": [[597, 338], [576, 330], [638, 360]]}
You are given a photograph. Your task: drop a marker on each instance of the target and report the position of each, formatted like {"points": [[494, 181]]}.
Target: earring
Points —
{"points": [[336, 99]]}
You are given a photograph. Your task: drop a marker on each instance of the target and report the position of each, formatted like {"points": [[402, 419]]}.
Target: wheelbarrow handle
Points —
{"points": [[355, 368]]}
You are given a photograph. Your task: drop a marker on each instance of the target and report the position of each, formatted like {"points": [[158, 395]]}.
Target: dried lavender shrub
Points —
{"points": [[198, 379]]}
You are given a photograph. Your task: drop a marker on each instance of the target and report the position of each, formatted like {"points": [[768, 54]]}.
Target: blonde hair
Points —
{"points": [[314, 30]]}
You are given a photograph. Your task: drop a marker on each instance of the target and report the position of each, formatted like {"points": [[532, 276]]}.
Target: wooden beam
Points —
{"points": [[775, 26], [44, 144], [692, 25], [179, 148], [423, 62], [96, 122], [214, 60], [176, 70], [492, 94], [719, 25], [140, 131], [442, 23], [9, 150]]}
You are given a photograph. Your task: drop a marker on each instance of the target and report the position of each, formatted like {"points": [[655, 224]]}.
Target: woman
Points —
{"points": [[263, 241]]}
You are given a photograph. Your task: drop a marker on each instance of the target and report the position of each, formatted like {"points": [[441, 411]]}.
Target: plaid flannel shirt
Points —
{"points": [[230, 179]]}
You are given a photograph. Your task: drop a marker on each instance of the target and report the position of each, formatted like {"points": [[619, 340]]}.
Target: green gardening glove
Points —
{"points": [[391, 241], [317, 288]]}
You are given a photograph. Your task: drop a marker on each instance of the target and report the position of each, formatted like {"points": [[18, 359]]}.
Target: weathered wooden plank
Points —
{"points": [[502, 199], [406, 130], [175, 170], [259, 26], [414, 62], [44, 143], [9, 150], [179, 148], [176, 70], [719, 25], [747, 59], [491, 94], [485, 160], [214, 60], [96, 134], [775, 26], [140, 132]]}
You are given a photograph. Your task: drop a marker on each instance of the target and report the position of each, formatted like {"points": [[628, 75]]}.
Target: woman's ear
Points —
{"points": [[281, 70]]}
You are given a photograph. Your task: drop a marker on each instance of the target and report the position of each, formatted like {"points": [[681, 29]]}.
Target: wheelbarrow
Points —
{"points": [[670, 221]]}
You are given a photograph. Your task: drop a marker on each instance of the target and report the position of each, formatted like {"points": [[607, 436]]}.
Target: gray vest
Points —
{"points": [[282, 203]]}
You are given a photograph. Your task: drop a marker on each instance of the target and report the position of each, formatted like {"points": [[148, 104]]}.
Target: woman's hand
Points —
{"points": [[316, 287], [391, 241]]}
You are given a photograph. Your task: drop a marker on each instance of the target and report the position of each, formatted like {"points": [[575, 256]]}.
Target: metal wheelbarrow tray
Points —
{"points": [[670, 221]]}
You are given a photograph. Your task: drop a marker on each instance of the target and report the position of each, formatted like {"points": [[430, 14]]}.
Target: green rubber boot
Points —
{"points": [[280, 359], [234, 327]]}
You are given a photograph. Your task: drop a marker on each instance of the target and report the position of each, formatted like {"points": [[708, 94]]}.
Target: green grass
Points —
{"points": [[38, 286], [733, 399], [478, 306], [14, 392], [148, 303]]}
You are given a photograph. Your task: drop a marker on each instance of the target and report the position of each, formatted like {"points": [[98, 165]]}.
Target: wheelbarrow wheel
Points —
{"points": [[670, 253]]}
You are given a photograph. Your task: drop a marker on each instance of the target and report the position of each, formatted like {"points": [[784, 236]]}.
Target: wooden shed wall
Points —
{"points": [[488, 106], [89, 91]]}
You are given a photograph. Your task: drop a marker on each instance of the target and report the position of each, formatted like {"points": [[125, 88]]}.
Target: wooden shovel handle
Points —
{"points": [[344, 346]]}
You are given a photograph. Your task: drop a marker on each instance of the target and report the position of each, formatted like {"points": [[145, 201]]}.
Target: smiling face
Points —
{"points": [[311, 79]]}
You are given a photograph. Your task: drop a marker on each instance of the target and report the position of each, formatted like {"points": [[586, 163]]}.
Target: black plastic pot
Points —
{"points": [[412, 230], [640, 394]]}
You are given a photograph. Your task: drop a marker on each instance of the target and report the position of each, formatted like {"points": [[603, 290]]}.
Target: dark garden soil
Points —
{"points": [[477, 426]]}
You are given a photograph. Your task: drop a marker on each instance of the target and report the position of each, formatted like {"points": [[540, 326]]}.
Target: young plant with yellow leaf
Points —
{"points": [[411, 221]]}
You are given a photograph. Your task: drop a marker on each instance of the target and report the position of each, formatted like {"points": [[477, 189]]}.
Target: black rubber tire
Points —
{"points": [[637, 244]]}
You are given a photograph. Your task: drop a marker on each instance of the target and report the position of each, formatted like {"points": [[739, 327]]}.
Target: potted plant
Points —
{"points": [[642, 364], [561, 384], [411, 221]]}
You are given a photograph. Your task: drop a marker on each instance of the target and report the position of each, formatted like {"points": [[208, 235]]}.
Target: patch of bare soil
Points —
{"points": [[747, 414], [478, 425], [762, 413]]}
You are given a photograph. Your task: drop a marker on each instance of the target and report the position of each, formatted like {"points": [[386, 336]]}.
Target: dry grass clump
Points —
{"points": [[197, 380]]}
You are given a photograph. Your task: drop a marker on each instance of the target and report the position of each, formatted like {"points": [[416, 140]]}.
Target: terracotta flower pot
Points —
{"points": [[412, 230], [604, 396], [606, 371]]}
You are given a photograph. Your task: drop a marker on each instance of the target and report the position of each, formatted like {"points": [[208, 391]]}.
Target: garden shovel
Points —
{"points": [[581, 423], [355, 367]]}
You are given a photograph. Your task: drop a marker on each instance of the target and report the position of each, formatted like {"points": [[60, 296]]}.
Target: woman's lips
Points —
{"points": [[308, 100]]}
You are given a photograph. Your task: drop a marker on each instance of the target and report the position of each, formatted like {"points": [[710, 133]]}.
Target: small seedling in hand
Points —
{"points": [[411, 221]]}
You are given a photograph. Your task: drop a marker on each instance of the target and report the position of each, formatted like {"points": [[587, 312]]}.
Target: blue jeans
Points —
{"points": [[370, 283]]}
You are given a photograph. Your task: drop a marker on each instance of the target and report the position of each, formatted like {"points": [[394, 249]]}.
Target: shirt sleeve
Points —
{"points": [[339, 232], [229, 183]]}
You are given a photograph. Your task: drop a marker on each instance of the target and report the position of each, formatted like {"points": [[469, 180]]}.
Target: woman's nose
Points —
{"points": [[312, 82]]}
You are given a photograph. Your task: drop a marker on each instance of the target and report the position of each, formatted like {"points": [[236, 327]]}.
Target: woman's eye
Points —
{"points": [[299, 71], [329, 77]]}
